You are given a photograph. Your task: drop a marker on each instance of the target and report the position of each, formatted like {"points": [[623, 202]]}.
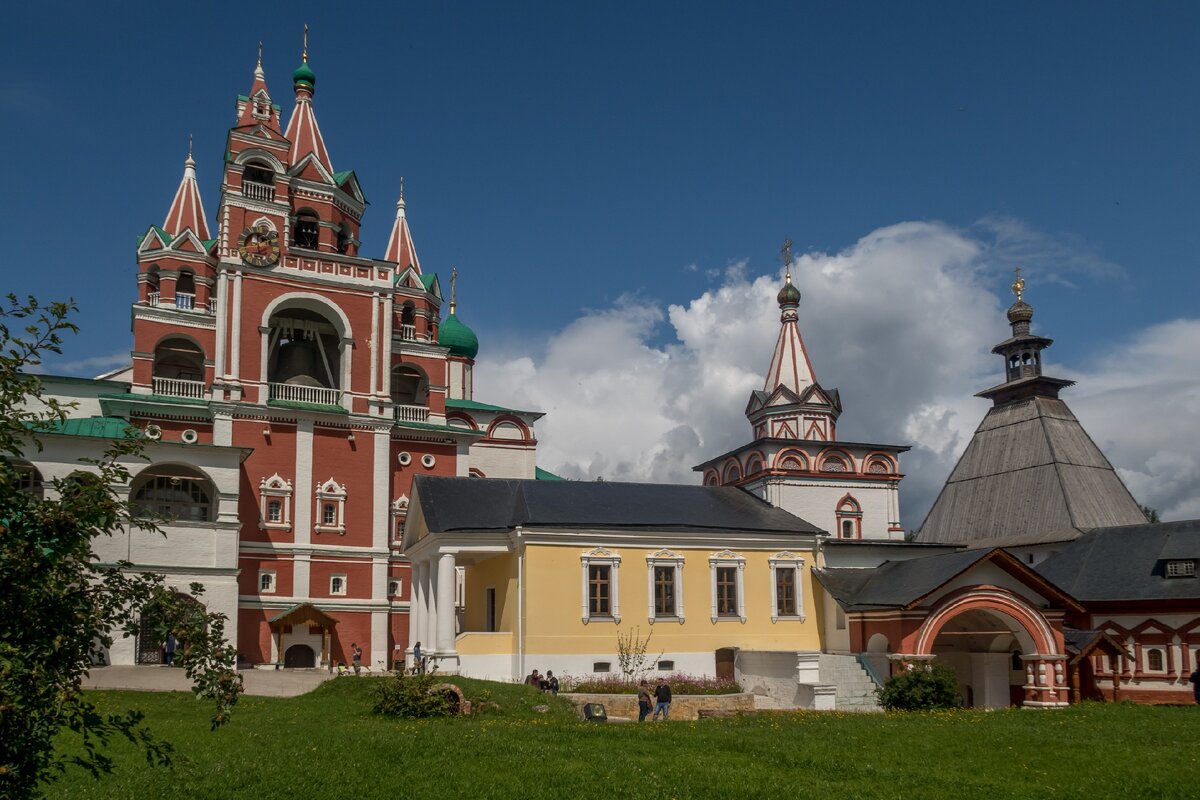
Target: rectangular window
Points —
{"points": [[489, 613], [727, 605], [1181, 569], [666, 666], [274, 511], [785, 592], [328, 514], [337, 584], [664, 592], [266, 581], [600, 590], [394, 587], [602, 666]]}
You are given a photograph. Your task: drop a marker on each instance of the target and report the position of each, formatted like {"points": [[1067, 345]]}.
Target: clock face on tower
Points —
{"points": [[259, 246]]}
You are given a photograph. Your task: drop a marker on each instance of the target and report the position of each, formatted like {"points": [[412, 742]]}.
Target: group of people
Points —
{"points": [[659, 700], [547, 683]]}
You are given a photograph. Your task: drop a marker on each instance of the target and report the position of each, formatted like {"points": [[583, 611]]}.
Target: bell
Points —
{"points": [[298, 364]]}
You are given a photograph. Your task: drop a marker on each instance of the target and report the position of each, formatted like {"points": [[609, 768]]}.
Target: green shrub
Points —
{"points": [[410, 696], [922, 688]]}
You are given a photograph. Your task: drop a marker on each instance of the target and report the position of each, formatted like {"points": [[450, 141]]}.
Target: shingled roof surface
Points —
{"points": [[1031, 474], [1127, 563], [463, 504]]}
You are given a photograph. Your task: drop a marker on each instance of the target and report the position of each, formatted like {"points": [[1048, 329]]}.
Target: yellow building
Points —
{"points": [[515, 575]]}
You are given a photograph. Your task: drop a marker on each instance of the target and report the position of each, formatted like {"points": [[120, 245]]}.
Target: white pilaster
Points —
{"points": [[375, 346], [303, 497], [445, 603], [222, 325], [382, 517], [235, 340], [385, 367]]}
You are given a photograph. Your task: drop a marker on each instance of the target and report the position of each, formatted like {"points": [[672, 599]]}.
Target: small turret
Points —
{"points": [[303, 131], [1022, 354]]}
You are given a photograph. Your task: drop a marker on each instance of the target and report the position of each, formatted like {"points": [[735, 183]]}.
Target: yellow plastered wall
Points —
{"points": [[500, 572], [554, 605]]}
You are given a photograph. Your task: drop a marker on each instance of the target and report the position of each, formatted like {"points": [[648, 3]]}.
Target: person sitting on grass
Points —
{"points": [[534, 680]]}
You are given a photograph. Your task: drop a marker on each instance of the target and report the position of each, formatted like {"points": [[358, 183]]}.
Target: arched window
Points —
{"points": [[304, 362], [29, 479], [185, 291], [343, 239], [178, 369], [847, 529], [308, 229], [849, 518], [409, 386], [152, 292], [1154, 660], [408, 322], [258, 172], [1018, 664], [175, 492]]}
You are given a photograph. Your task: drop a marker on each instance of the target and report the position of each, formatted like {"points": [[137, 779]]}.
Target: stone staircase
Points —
{"points": [[855, 689]]}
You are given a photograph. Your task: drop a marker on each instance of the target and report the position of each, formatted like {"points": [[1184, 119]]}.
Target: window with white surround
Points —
{"points": [[726, 572], [266, 581], [600, 589], [787, 569], [394, 587], [275, 503], [1185, 568], [337, 584], [399, 515], [664, 575], [602, 666], [331, 508], [1154, 660], [849, 518]]}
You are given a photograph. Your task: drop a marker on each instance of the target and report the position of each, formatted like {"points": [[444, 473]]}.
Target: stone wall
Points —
{"points": [[683, 706]]}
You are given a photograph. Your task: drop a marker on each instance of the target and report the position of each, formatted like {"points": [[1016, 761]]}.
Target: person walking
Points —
{"points": [[662, 694], [1194, 679], [169, 649], [418, 660], [644, 704], [356, 658]]}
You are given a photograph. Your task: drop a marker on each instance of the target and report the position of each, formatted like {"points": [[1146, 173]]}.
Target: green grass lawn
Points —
{"points": [[328, 744]]}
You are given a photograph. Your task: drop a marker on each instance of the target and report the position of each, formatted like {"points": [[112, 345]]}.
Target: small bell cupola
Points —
{"points": [[1022, 354]]}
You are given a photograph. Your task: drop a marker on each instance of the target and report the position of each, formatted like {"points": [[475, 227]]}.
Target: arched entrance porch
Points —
{"points": [[1004, 651]]}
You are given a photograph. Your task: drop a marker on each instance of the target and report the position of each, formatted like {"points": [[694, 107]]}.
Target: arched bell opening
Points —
{"points": [[178, 368], [409, 393], [304, 357], [174, 492]]}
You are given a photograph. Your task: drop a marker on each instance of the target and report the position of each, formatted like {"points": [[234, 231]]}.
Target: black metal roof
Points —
{"points": [[467, 504], [1127, 563], [894, 584]]}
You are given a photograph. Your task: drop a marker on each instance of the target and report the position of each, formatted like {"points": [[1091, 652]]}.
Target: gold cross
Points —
{"points": [[787, 257], [453, 283], [260, 52], [1018, 286], [305, 55]]}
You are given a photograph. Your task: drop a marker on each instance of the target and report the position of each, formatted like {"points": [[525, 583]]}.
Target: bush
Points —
{"points": [[923, 688], [410, 696], [679, 682]]}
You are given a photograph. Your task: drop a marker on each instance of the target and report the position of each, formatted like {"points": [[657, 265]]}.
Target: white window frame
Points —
{"points": [[728, 558], [275, 488], [599, 557], [273, 582], [787, 560], [395, 587], [399, 515], [1161, 649], [1181, 568], [345, 584], [331, 492], [664, 558]]}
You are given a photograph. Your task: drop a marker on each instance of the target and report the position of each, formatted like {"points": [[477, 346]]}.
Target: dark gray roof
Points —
{"points": [[894, 584], [1030, 475], [462, 504], [900, 584], [1127, 563]]}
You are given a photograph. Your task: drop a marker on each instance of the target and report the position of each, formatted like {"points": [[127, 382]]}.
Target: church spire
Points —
{"points": [[187, 211], [256, 107], [790, 366], [302, 130], [1022, 353], [400, 247]]}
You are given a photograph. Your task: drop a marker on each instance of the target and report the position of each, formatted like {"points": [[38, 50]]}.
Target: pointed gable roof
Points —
{"points": [[400, 247], [304, 133], [256, 109], [790, 365], [187, 211]]}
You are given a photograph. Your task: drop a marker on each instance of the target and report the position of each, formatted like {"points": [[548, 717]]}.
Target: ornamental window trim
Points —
{"points": [[277, 489], [399, 512], [728, 559], [331, 494], [665, 559], [787, 560], [601, 557]]}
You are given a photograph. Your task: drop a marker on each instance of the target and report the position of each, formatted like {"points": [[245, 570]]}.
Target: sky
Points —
{"points": [[614, 180]]}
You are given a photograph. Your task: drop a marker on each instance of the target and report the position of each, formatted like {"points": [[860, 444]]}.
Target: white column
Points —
{"points": [[413, 606], [385, 367], [222, 326], [373, 388], [445, 603], [416, 607], [235, 339], [431, 606]]}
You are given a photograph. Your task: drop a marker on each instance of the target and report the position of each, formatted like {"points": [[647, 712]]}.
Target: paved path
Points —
{"points": [[257, 682]]}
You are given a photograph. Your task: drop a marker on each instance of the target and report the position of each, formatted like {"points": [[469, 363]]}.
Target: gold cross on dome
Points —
{"points": [[787, 257], [453, 284], [1018, 286], [304, 56]]}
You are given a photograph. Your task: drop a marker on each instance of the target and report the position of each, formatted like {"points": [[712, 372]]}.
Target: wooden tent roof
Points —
{"points": [[303, 614]]}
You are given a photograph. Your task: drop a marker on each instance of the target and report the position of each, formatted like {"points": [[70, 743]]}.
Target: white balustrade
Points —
{"points": [[305, 394], [408, 332], [152, 298], [185, 301], [411, 413], [258, 191], [178, 387]]}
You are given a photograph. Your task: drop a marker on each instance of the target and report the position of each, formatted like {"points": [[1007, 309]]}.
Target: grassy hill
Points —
{"points": [[328, 744]]}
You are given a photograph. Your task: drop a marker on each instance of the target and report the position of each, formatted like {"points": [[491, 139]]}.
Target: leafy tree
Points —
{"points": [[632, 649], [58, 605], [1151, 514], [925, 687]]}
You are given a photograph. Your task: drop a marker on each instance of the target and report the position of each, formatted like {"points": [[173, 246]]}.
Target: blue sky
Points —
{"points": [[569, 157]]}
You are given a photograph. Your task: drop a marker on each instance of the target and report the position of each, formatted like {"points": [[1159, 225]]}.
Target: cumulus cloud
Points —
{"points": [[902, 323]]}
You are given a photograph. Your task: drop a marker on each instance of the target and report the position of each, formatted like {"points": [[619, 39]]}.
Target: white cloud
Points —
{"points": [[84, 367], [902, 323]]}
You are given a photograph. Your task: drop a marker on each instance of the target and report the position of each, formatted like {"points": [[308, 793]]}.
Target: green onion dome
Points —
{"points": [[461, 340], [789, 295], [305, 75]]}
